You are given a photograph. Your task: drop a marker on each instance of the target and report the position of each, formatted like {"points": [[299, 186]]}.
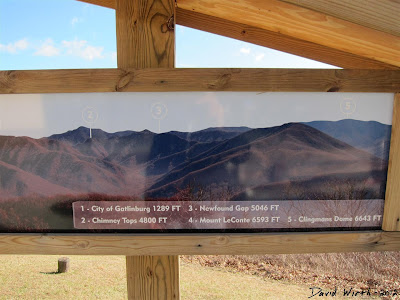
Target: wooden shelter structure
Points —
{"points": [[360, 35]]}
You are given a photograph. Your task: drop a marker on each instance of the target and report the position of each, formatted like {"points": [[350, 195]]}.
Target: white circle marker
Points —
{"points": [[348, 106], [159, 111], [90, 116]]}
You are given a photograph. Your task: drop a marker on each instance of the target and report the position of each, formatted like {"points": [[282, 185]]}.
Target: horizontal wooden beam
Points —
{"points": [[383, 15], [200, 244], [304, 24], [163, 80], [276, 41], [103, 3]]}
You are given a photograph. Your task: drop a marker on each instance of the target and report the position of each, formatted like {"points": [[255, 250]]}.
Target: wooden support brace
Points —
{"points": [[103, 3], [303, 24], [145, 39], [383, 15], [275, 40]]}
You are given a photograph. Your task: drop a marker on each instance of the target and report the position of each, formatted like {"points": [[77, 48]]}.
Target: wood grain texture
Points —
{"points": [[165, 80], [391, 217], [304, 24], [383, 15], [276, 41], [144, 39], [103, 3], [200, 244], [151, 279]]}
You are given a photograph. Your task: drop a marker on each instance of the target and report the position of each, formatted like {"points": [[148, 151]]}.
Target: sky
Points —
{"points": [[68, 34]]}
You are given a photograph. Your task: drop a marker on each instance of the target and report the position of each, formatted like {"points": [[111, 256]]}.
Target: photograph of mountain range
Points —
{"points": [[314, 160]]}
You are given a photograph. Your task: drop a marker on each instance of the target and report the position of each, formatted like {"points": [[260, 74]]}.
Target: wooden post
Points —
{"points": [[63, 265], [391, 216], [145, 33], [145, 39], [153, 277]]}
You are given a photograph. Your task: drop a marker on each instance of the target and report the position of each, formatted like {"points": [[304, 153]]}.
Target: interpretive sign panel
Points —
{"points": [[164, 215], [193, 161]]}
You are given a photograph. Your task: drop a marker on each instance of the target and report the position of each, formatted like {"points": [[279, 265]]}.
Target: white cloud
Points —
{"points": [[47, 49], [82, 49], [74, 21], [14, 47], [77, 48], [114, 55], [245, 50], [259, 57], [21, 44], [91, 52], [181, 29]]}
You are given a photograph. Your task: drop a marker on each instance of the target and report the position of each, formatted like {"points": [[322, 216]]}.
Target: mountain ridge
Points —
{"points": [[371, 136], [265, 160], [156, 165]]}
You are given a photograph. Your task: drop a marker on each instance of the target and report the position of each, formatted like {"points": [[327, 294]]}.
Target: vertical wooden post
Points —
{"points": [[145, 35], [153, 277], [391, 216], [146, 39]]}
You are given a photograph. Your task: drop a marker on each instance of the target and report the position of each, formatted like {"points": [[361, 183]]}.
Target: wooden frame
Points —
{"points": [[281, 25], [176, 80], [262, 80], [199, 244]]}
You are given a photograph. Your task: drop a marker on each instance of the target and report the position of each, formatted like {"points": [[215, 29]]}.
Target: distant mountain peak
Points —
{"points": [[146, 131], [80, 128], [371, 136], [78, 135], [227, 129], [212, 134]]}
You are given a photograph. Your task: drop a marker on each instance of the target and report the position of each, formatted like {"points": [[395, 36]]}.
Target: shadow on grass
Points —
{"points": [[51, 273]]}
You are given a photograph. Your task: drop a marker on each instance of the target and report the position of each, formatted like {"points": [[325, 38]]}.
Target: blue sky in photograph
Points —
{"points": [[68, 34]]}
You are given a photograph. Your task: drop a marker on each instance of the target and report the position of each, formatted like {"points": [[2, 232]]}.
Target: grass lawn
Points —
{"points": [[35, 277], [103, 277]]}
